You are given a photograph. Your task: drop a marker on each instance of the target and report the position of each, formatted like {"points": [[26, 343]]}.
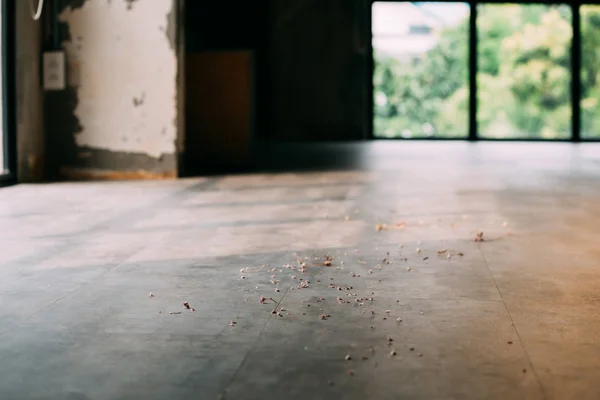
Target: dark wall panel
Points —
{"points": [[318, 69]]}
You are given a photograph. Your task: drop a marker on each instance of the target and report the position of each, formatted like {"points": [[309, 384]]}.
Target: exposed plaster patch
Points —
{"points": [[171, 30], [124, 53], [75, 4], [138, 101], [130, 4]]}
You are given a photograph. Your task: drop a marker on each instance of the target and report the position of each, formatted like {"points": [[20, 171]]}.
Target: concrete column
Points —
{"points": [[29, 96]]}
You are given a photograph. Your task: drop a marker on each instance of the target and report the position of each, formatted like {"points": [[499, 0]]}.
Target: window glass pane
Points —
{"points": [[420, 80], [590, 71], [524, 71]]}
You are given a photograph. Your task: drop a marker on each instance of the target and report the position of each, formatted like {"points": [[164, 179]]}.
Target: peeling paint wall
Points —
{"points": [[120, 110]]}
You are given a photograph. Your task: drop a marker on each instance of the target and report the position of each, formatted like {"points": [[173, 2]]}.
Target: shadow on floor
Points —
{"points": [[290, 157]]}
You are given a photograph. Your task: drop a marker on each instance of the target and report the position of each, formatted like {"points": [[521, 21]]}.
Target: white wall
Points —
{"points": [[119, 53]]}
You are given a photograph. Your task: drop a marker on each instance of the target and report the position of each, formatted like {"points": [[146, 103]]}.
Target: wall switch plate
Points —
{"points": [[54, 70]]}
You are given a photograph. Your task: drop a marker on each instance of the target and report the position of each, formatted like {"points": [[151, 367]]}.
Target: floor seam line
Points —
{"points": [[537, 377], [238, 369]]}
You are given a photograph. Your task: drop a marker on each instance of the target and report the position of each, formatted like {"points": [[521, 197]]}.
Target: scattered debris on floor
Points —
{"points": [[299, 276], [175, 312], [479, 237], [187, 305], [150, 295]]}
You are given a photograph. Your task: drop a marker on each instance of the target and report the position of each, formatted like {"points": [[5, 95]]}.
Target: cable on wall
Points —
{"points": [[36, 13]]}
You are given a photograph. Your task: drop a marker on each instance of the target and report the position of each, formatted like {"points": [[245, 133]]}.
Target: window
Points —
{"points": [[524, 71], [497, 71], [421, 79]]}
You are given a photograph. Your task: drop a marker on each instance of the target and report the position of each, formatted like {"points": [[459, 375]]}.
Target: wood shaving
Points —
{"points": [[263, 300]]}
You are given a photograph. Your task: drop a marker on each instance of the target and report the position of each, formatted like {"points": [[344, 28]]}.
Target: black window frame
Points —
{"points": [[8, 76]]}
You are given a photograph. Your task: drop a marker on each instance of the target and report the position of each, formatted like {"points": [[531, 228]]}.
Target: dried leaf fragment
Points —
{"points": [[263, 300], [479, 237]]}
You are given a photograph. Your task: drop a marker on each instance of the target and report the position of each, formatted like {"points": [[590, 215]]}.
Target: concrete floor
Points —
{"points": [[515, 317]]}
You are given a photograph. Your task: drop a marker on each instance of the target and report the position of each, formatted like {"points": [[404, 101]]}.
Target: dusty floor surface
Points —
{"points": [[513, 317]]}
